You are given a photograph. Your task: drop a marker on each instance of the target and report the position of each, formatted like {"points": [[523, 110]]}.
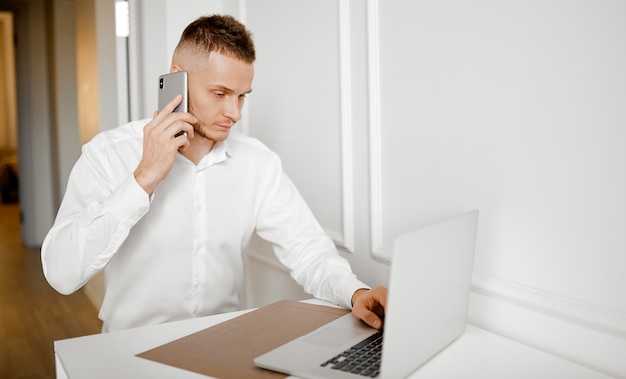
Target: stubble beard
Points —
{"points": [[201, 130]]}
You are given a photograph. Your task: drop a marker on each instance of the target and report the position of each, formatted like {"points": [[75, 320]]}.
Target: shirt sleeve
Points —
{"points": [[94, 219], [301, 244]]}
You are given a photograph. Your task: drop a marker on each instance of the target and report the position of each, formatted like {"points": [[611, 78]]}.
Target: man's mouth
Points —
{"points": [[225, 127]]}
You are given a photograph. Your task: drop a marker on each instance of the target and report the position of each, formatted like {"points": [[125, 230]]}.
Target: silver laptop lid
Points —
{"points": [[431, 273]]}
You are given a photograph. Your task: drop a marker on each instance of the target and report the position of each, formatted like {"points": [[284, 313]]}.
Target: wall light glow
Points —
{"points": [[122, 21]]}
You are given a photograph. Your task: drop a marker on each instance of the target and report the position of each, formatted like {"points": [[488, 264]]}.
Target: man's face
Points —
{"points": [[217, 89]]}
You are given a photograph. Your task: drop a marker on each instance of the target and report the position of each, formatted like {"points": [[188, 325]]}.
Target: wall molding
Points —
{"points": [[586, 315], [345, 238], [583, 333], [379, 250]]}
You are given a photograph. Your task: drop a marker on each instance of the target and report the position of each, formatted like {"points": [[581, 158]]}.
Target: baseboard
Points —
{"points": [[582, 333]]}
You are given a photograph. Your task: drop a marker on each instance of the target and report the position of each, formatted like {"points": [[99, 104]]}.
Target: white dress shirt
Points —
{"points": [[179, 253]]}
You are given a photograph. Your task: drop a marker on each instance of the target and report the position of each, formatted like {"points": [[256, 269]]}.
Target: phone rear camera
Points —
{"points": [[161, 83]]}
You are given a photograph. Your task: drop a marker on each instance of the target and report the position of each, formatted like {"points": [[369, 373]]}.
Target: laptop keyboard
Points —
{"points": [[361, 359]]}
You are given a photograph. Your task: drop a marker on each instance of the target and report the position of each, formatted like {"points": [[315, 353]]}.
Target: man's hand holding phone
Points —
{"points": [[161, 141]]}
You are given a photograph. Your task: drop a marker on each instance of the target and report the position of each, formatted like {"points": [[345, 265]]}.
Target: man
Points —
{"points": [[168, 216]]}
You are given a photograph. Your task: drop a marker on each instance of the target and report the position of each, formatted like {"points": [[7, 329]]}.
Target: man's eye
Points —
{"points": [[219, 94]]}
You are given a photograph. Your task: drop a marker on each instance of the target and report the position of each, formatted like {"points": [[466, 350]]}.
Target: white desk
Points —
{"points": [[476, 354]]}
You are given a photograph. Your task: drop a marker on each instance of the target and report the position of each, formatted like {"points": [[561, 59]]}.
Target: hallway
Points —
{"points": [[32, 314]]}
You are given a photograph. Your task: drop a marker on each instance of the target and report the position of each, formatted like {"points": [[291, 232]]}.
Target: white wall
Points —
{"points": [[516, 111], [514, 108]]}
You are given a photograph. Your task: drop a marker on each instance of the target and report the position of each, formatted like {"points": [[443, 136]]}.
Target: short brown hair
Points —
{"points": [[221, 33]]}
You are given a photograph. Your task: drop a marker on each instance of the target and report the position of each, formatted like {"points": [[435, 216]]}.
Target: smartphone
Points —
{"points": [[170, 85]]}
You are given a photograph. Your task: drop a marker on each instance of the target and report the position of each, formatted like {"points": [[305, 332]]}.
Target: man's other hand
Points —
{"points": [[369, 305]]}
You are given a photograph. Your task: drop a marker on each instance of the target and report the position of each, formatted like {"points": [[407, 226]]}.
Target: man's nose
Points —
{"points": [[233, 109]]}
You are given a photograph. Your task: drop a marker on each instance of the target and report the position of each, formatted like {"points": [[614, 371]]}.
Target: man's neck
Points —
{"points": [[198, 148]]}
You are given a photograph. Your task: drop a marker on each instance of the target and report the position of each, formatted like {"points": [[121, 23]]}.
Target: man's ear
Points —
{"points": [[175, 68]]}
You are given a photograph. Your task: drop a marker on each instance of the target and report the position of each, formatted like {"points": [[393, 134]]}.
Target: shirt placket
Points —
{"points": [[199, 253]]}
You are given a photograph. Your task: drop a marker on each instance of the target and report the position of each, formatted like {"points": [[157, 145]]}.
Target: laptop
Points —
{"points": [[429, 287]]}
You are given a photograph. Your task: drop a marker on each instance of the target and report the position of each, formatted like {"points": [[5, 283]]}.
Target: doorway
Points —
{"points": [[9, 167]]}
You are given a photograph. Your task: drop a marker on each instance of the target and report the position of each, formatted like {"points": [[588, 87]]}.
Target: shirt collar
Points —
{"points": [[219, 153]]}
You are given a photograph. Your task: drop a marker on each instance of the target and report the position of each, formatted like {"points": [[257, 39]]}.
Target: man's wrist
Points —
{"points": [[357, 293], [146, 184]]}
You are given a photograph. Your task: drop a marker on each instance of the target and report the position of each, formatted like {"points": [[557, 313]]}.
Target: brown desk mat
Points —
{"points": [[226, 350]]}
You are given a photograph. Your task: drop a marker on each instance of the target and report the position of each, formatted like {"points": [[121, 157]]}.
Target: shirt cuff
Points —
{"points": [[129, 201], [347, 288]]}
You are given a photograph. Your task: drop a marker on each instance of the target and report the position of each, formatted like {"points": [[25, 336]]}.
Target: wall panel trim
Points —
{"points": [[583, 333], [376, 219], [345, 239], [587, 315]]}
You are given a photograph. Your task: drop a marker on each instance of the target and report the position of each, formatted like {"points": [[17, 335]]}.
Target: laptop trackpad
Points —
{"points": [[333, 337]]}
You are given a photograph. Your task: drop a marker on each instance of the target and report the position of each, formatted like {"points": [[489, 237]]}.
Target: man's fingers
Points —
{"points": [[379, 294], [185, 128], [171, 125], [372, 319], [169, 107], [168, 110]]}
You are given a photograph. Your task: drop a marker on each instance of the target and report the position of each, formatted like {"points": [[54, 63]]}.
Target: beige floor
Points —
{"points": [[32, 314]]}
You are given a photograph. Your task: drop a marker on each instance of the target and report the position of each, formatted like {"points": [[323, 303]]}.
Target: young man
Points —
{"points": [[169, 216]]}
